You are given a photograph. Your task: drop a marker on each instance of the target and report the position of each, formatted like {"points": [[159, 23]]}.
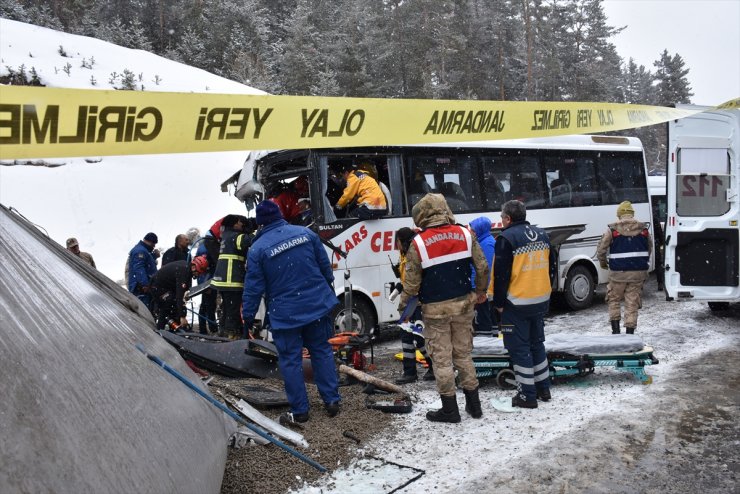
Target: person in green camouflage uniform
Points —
{"points": [[438, 271]]}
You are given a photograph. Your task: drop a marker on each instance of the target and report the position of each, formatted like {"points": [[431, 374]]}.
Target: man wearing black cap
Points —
{"points": [[73, 246], [141, 267], [289, 266]]}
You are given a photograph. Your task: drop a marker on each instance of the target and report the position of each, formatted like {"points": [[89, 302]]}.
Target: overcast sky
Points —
{"points": [[706, 33]]}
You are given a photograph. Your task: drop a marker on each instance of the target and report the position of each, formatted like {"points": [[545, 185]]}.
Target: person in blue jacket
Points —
{"points": [[142, 265], [483, 322], [289, 266]]}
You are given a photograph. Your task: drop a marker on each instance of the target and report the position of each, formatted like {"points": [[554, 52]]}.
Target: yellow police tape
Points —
{"points": [[47, 122]]}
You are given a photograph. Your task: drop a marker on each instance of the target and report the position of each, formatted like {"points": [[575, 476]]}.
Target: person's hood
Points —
{"points": [[432, 210], [628, 226], [481, 227]]}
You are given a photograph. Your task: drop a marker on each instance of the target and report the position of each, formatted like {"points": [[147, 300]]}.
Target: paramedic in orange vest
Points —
{"points": [[363, 190], [438, 269], [521, 295]]}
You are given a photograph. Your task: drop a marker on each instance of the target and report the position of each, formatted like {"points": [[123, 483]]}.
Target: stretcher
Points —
{"points": [[568, 355]]}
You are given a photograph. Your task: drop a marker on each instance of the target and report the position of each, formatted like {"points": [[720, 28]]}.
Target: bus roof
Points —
{"points": [[596, 142]]}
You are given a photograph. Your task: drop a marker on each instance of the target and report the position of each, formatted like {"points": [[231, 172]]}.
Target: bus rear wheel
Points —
{"points": [[362, 314], [579, 288]]}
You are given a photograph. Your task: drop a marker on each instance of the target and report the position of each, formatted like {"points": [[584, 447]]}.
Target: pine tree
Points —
{"points": [[672, 86]]}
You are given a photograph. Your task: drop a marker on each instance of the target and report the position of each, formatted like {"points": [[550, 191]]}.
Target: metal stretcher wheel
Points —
{"points": [[506, 379]]}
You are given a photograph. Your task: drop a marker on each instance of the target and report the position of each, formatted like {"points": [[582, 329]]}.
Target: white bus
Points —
{"points": [[702, 246], [569, 184]]}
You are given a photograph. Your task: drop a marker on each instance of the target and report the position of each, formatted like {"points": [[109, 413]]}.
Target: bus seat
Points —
{"points": [[451, 190], [494, 191], [560, 192], [387, 194], [527, 190]]}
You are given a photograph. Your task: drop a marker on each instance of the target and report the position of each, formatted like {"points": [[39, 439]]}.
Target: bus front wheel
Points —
{"points": [[579, 288], [363, 316]]}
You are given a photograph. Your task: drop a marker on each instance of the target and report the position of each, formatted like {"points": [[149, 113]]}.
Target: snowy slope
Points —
{"points": [[39, 47], [112, 204]]}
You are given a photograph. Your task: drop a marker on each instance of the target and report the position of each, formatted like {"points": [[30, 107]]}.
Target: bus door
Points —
{"points": [[702, 236]]}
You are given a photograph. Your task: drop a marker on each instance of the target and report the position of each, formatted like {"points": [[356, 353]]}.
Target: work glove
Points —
{"points": [[603, 265]]}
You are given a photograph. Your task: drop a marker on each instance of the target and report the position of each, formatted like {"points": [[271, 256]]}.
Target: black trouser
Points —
{"points": [[231, 301], [365, 213], [483, 320], [166, 309], [207, 311], [409, 344]]}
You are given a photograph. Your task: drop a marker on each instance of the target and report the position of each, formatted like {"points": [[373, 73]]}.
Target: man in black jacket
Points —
{"points": [[231, 269], [177, 253], [168, 288]]}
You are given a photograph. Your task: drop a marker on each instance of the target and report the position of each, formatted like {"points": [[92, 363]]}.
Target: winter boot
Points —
{"points": [[518, 401], [472, 403], [448, 413], [406, 379], [543, 394], [630, 330], [615, 326], [429, 375], [332, 409]]}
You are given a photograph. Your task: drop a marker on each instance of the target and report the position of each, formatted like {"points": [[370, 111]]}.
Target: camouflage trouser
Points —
{"points": [[450, 344], [631, 293]]}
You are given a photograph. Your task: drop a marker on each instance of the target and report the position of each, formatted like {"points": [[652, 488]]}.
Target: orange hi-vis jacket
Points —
{"points": [[362, 186]]}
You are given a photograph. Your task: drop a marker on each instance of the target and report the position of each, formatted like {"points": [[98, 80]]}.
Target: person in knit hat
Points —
{"points": [[289, 267], [625, 250], [141, 266]]}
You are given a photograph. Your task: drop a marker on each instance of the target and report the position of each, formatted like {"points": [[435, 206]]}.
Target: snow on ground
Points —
{"points": [[110, 205], [487, 452]]}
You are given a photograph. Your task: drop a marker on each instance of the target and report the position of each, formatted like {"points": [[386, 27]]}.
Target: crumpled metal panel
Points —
{"points": [[81, 409]]}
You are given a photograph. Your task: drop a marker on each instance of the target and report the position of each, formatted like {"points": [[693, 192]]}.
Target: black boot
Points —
{"points": [[630, 330], [407, 378], [615, 327], [472, 403], [429, 375], [448, 413]]}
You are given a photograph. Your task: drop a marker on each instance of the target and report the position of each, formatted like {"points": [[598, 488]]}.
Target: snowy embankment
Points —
{"points": [[111, 204], [489, 452]]}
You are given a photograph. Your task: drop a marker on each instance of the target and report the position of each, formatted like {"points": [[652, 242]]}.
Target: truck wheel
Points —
{"points": [[363, 316], [718, 306], [579, 288]]}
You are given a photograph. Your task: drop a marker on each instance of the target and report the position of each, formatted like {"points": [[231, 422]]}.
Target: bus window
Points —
{"points": [[702, 180], [385, 169], [455, 177], [512, 176], [622, 178]]}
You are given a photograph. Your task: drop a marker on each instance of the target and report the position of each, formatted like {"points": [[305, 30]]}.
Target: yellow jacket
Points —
{"points": [[365, 189]]}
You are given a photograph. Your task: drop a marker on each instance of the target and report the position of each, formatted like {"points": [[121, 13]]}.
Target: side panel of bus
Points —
{"points": [[702, 236]]}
